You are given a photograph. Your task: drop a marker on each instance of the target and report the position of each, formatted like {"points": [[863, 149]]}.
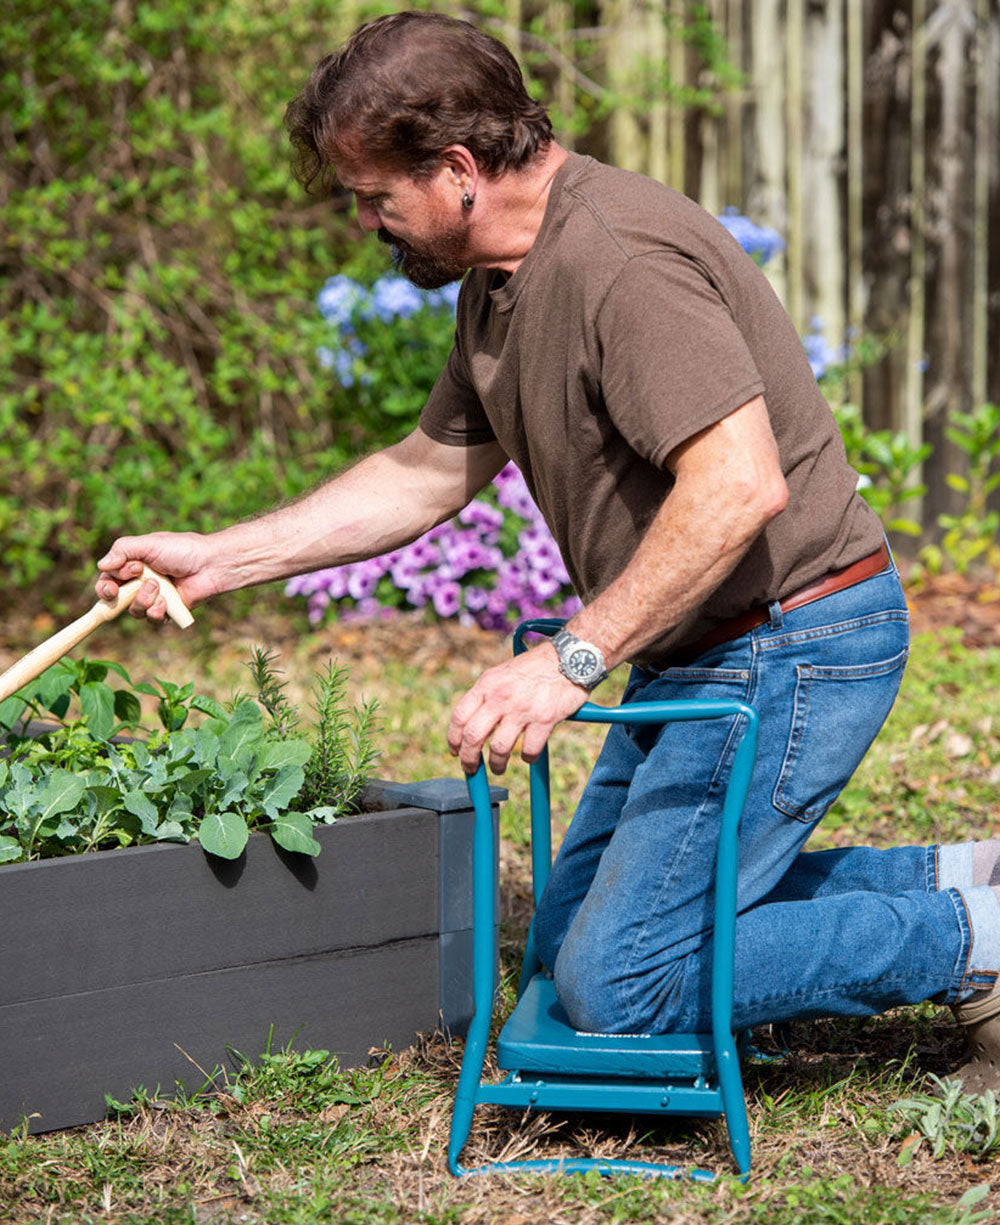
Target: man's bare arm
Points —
{"points": [[383, 502], [729, 484]]}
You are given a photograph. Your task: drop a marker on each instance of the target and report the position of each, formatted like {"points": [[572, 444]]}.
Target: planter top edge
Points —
{"points": [[438, 794]]}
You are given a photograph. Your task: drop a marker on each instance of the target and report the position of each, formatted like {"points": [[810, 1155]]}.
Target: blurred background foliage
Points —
{"points": [[158, 274], [164, 363], [159, 335]]}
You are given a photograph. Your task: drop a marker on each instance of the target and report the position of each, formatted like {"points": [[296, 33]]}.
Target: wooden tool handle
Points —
{"points": [[53, 649], [177, 610]]}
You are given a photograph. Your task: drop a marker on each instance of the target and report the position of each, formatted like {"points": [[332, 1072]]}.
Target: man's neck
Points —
{"points": [[512, 208]]}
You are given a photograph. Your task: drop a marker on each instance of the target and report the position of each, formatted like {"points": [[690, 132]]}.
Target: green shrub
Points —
{"points": [[158, 330]]}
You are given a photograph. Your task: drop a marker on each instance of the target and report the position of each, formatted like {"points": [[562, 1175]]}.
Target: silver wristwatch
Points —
{"points": [[580, 661]]}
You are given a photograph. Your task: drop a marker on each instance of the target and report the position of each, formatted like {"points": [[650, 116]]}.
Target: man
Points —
{"points": [[614, 341]]}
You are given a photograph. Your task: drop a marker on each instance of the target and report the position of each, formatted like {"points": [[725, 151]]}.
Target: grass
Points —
{"points": [[290, 1137]]}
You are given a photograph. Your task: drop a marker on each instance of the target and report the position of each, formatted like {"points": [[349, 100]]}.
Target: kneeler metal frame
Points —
{"points": [[550, 1065]]}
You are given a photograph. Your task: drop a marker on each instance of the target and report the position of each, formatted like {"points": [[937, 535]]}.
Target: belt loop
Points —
{"points": [[775, 616]]}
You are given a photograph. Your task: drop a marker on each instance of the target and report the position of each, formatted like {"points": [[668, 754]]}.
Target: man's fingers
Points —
{"points": [[536, 737], [502, 743], [114, 573], [121, 558], [526, 697], [475, 733], [148, 602], [464, 709]]}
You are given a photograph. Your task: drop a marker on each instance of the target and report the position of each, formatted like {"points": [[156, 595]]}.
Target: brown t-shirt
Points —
{"points": [[634, 322]]}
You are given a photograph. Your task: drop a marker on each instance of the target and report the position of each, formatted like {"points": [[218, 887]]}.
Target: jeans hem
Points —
{"points": [[932, 868], [961, 974]]}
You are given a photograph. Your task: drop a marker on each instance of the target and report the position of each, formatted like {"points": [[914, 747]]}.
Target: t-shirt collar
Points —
{"points": [[504, 292]]}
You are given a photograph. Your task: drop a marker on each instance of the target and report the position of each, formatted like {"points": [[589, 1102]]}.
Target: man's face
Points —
{"points": [[420, 220]]}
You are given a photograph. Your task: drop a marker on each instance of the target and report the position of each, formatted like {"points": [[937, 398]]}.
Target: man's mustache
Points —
{"points": [[391, 240]]}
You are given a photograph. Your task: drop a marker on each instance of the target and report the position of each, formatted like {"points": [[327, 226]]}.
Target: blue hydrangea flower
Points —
{"points": [[447, 295], [394, 297], [822, 355], [759, 241], [339, 298]]}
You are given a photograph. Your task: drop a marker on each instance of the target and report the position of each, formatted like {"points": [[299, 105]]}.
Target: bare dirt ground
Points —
{"points": [[955, 600]]}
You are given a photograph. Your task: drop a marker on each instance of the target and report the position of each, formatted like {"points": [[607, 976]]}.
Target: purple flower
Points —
{"points": [[482, 515], [513, 493], [422, 552], [362, 581], [404, 574], [430, 571], [447, 598], [476, 598]]}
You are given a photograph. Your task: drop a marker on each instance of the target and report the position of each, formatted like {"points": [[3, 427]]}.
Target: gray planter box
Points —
{"points": [[126, 968]]}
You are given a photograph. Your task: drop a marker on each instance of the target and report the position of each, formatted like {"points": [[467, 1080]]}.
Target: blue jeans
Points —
{"points": [[625, 920]]}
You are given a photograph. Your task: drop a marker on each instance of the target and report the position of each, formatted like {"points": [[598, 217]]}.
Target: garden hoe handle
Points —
{"points": [[53, 649]]}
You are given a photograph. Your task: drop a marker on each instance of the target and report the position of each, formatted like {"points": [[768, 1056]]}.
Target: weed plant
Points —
{"points": [[950, 1120]]}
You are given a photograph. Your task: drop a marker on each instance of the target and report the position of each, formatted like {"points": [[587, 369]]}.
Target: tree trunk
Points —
{"points": [[766, 198], [626, 42], [855, 188], [913, 405], [822, 179], [795, 159]]}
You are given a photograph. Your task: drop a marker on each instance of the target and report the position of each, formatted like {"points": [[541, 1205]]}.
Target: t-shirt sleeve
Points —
{"points": [[454, 414], [673, 361]]}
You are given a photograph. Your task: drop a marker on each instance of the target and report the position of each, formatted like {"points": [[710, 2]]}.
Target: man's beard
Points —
{"points": [[428, 269]]}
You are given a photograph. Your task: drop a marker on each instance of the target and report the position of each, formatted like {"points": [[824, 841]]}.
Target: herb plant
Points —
{"points": [[96, 779], [950, 1120]]}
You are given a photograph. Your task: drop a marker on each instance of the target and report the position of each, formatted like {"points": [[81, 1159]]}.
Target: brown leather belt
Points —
{"points": [[736, 627]]}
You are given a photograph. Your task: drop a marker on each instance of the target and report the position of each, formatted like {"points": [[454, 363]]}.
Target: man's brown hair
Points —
{"points": [[405, 87]]}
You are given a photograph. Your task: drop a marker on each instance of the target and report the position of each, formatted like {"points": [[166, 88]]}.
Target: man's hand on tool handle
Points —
{"points": [[525, 696], [184, 557]]}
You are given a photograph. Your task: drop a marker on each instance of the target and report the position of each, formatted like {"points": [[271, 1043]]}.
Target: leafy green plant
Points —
{"points": [[157, 336], [951, 1120], [77, 788], [971, 536], [888, 463]]}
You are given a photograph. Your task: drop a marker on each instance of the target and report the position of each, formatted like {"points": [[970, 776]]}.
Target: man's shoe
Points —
{"points": [[980, 1069]]}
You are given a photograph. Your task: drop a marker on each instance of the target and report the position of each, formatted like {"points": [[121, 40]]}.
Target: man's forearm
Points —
{"points": [[685, 555], [361, 513], [382, 503]]}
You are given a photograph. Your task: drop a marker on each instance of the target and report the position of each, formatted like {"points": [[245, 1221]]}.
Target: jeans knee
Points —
{"points": [[586, 991], [602, 994]]}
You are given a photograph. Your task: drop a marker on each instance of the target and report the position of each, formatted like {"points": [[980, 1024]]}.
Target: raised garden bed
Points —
{"points": [[141, 966]]}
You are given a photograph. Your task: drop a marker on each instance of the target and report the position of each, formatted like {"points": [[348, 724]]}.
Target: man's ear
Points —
{"points": [[461, 165]]}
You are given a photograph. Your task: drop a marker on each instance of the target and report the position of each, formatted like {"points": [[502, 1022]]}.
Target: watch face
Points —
{"points": [[583, 662]]}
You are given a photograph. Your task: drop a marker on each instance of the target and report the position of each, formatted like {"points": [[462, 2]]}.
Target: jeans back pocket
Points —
{"points": [[836, 715]]}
